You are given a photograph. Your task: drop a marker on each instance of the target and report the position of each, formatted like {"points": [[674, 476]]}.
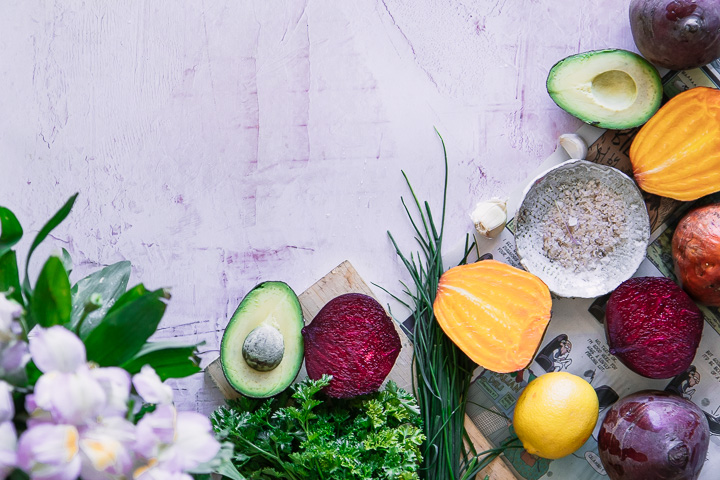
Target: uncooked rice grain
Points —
{"points": [[584, 225]]}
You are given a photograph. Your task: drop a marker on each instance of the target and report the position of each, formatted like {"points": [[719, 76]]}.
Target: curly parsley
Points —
{"points": [[301, 436]]}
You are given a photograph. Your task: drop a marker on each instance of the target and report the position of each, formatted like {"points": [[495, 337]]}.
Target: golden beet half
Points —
{"points": [[495, 313], [677, 153]]}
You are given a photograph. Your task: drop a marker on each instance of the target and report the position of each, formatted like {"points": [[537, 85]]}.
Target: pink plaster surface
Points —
{"points": [[220, 143]]}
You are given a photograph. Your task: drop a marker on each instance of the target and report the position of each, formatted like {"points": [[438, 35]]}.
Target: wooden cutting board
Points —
{"points": [[345, 279]]}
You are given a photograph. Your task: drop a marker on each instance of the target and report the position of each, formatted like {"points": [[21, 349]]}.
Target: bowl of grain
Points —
{"points": [[583, 228]]}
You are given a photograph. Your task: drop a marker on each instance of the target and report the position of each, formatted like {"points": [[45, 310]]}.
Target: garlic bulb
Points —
{"points": [[490, 217]]}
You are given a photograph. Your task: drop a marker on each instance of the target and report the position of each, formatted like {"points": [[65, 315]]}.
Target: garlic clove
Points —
{"points": [[574, 145], [490, 217]]}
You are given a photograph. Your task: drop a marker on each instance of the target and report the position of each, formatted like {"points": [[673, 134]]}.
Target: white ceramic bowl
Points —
{"points": [[580, 277]]}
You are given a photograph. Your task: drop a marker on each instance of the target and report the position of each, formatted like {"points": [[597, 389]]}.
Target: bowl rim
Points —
{"points": [[550, 280]]}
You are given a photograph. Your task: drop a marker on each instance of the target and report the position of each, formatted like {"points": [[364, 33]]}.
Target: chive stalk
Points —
{"points": [[443, 372]]}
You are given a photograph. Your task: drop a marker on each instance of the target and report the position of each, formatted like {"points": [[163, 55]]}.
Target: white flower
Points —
{"points": [[57, 349], [13, 352], [7, 407], [14, 356], [50, 452], [173, 441], [9, 312], [194, 442], [8, 449], [75, 398], [105, 449], [116, 383], [151, 388], [158, 472]]}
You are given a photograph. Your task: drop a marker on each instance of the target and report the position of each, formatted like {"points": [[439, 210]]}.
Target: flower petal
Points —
{"points": [[8, 447], [50, 452], [194, 443], [57, 349], [116, 383], [105, 449], [7, 407], [13, 358], [75, 398], [155, 429], [9, 311], [158, 472], [151, 388]]}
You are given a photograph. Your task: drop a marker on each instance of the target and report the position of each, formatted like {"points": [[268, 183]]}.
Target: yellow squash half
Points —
{"points": [[495, 313], [677, 153]]}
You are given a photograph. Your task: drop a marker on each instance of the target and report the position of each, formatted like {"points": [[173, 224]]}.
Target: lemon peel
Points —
{"points": [[555, 414]]}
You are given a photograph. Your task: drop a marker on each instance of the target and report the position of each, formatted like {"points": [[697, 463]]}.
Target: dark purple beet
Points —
{"points": [[355, 341], [653, 326], [676, 34], [653, 435]]}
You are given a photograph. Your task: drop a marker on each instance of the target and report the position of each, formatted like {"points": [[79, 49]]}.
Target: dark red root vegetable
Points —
{"points": [[676, 34], [653, 326], [653, 435], [355, 341]]}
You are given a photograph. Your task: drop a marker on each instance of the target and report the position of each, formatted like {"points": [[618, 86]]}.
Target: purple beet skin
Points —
{"points": [[355, 341], [653, 435], [653, 326], [676, 34]]}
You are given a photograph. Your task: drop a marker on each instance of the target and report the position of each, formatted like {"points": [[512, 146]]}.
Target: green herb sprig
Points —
{"points": [[305, 436]]}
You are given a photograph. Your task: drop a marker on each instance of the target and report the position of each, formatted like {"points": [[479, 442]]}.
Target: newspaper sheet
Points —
{"points": [[575, 340]]}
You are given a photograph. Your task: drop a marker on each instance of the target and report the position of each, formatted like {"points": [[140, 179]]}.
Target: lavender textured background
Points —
{"points": [[220, 143]]}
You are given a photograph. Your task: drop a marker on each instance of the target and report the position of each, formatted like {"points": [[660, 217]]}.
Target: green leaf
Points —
{"points": [[51, 301], [32, 372], [130, 296], [110, 283], [67, 261], [126, 327], [168, 359], [9, 276], [42, 235], [18, 474], [10, 230]]}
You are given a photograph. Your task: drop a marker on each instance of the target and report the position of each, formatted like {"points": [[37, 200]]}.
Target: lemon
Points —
{"points": [[555, 414]]}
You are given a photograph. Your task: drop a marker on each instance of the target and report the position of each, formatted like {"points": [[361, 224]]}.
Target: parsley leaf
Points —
{"points": [[301, 434]]}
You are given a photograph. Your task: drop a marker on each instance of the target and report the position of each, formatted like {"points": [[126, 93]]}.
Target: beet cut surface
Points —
{"points": [[355, 341], [653, 326]]}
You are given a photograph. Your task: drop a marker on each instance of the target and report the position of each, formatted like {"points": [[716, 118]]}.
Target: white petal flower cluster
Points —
{"points": [[78, 420], [13, 351]]}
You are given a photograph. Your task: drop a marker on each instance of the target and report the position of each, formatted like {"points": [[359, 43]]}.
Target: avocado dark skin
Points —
{"points": [[676, 34]]}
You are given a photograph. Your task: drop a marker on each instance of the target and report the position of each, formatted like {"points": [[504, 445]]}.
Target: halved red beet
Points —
{"points": [[653, 326], [653, 435], [355, 341]]}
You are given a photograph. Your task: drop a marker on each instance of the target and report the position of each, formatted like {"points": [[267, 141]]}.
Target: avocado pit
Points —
{"points": [[263, 348]]}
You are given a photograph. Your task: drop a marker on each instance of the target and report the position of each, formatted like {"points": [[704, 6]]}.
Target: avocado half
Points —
{"points": [[262, 348], [613, 89]]}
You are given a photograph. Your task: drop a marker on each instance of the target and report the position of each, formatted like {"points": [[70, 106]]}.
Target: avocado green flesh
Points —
{"points": [[276, 305], [613, 89]]}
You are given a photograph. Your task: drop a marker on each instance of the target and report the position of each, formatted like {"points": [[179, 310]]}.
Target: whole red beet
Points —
{"points": [[355, 341], [653, 326], [653, 435], [676, 34]]}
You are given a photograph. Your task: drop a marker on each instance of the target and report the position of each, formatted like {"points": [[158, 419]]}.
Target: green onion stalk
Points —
{"points": [[443, 372]]}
